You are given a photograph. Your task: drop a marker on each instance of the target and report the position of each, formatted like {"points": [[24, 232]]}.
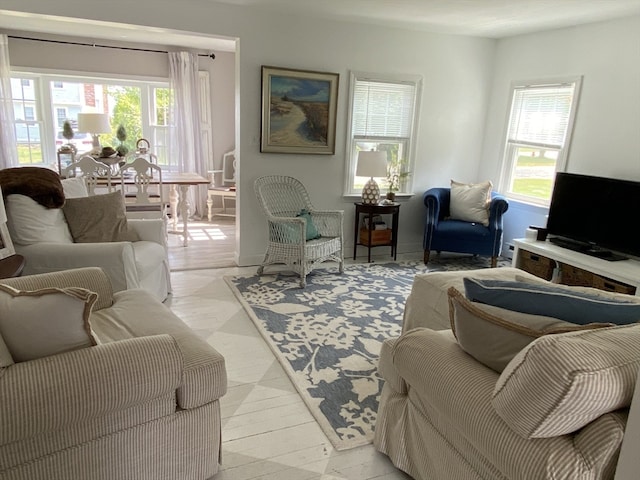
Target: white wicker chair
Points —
{"points": [[282, 198]]}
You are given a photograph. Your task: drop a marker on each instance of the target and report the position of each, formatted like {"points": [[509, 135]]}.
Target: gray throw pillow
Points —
{"points": [[98, 218], [494, 335]]}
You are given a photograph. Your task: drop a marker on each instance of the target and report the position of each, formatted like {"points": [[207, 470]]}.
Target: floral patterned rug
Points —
{"points": [[328, 335]]}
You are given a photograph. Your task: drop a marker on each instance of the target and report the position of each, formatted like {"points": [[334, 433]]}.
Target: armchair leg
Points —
{"points": [[494, 262], [426, 256]]}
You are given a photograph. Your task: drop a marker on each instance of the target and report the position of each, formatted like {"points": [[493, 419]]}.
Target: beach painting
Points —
{"points": [[298, 111]]}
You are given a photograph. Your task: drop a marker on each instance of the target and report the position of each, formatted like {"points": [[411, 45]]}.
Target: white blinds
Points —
{"points": [[540, 114], [383, 109]]}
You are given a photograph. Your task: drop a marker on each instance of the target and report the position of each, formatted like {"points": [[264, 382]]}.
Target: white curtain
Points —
{"points": [[8, 146], [185, 141]]}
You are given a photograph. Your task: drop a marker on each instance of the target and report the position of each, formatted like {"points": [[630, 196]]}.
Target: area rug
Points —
{"points": [[328, 335]]}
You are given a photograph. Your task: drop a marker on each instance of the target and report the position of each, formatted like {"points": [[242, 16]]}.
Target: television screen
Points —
{"points": [[600, 213]]}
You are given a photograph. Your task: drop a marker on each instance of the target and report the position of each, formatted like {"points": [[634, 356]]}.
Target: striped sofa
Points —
{"points": [[439, 418], [142, 404]]}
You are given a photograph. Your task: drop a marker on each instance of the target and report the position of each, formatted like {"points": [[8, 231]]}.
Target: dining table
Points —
{"points": [[179, 183]]}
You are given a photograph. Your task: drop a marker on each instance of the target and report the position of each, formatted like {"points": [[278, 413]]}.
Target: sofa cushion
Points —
{"points": [[98, 218], [39, 323], [572, 306], [559, 383], [30, 223], [5, 356], [494, 335], [470, 201]]}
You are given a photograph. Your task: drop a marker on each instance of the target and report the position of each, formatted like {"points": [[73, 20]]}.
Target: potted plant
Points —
{"points": [[121, 135], [396, 175]]}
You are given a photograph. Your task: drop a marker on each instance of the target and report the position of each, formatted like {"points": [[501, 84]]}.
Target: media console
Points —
{"points": [[550, 261]]}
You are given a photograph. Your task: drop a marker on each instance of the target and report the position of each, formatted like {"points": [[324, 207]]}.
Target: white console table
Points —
{"points": [[624, 271]]}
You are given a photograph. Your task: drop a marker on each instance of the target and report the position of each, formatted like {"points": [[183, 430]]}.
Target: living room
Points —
{"points": [[463, 111], [461, 129]]}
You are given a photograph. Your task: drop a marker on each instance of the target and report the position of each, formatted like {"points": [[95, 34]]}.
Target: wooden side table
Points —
{"points": [[11, 266], [371, 210]]}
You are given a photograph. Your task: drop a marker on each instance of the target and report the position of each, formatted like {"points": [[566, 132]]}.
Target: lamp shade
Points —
{"points": [[371, 164], [95, 123]]}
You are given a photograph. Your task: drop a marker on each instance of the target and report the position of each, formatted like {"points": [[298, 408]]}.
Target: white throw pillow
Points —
{"points": [[75, 187], [470, 201], [39, 323], [29, 222]]}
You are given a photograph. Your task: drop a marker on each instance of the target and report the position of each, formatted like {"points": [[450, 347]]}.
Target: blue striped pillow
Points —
{"points": [[552, 301]]}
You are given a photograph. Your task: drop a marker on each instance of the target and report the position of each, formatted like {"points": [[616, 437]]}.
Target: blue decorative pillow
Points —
{"points": [[575, 307], [312, 231]]}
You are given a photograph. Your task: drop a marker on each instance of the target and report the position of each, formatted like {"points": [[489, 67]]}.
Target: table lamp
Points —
{"points": [[95, 124], [371, 164]]}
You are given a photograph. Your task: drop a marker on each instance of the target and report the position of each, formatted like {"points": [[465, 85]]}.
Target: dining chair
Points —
{"points": [[93, 172], [142, 188]]}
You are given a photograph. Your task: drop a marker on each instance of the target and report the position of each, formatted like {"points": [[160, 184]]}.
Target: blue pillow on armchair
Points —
{"points": [[551, 301], [312, 231]]}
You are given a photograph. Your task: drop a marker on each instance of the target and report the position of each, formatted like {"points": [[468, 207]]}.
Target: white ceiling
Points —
{"points": [[486, 18]]}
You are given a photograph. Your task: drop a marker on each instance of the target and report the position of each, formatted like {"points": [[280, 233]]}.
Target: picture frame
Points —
{"points": [[6, 245], [298, 111]]}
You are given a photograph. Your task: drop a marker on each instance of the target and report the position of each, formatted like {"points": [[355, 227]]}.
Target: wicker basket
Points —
{"points": [[378, 237], [570, 275], [604, 283], [535, 264]]}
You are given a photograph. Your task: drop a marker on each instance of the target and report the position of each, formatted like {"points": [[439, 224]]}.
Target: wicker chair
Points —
{"points": [[283, 198]]}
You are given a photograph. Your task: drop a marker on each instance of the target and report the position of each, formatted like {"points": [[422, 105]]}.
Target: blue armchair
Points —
{"points": [[444, 234]]}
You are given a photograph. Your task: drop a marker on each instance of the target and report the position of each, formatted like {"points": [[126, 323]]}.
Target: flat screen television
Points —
{"points": [[595, 215]]}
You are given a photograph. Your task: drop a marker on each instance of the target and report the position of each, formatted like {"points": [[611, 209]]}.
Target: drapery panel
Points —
{"points": [[8, 146], [185, 144]]}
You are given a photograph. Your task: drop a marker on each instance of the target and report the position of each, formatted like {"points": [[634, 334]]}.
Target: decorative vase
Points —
{"points": [[391, 196]]}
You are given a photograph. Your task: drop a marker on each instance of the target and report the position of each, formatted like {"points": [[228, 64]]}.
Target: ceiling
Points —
{"points": [[485, 18]]}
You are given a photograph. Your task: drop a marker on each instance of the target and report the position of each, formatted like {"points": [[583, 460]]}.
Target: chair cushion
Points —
{"points": [[98, 218], [572, 306], [559, 383], [494, 335], [470, 201], [39, 323], [29, 222]]}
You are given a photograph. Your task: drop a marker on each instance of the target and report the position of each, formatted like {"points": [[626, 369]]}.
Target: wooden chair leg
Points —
{"points": [[494, 262], [426, 256]]}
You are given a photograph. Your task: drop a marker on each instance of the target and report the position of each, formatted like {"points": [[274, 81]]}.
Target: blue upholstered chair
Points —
{"points": [[445, 235]]}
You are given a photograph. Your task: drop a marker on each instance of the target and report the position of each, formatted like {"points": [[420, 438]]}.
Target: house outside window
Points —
{"points": [[383, 117], [538, 138]]}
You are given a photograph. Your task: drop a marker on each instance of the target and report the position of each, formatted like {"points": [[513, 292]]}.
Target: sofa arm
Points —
{"points": [[498, 206], [116, 259], [151, 229], [50, 393], [91, 278], [387, 370]]}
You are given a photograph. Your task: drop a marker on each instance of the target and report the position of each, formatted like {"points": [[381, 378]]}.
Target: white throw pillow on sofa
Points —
{"points": [[75, 187], [470, 201], [29, 222]]}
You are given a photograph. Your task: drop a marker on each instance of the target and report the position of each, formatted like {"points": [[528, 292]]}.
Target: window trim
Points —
{"points": [[350, 157], [507, 163]]}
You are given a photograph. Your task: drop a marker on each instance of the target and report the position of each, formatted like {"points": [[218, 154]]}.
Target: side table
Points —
{"points": [[11, 266], [371, 210]]}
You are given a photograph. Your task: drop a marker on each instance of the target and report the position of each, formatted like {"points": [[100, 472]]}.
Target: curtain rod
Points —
{"points": [[210, 55]]}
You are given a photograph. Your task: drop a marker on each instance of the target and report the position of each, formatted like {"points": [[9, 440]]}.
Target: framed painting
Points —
{"points": [[298, 111]]}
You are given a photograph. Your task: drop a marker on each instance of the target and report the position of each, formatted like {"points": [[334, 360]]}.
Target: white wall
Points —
{"points": [[606, 137], [76, 58], [457, 79]]}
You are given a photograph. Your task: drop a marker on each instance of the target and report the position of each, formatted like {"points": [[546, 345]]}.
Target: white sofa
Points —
{"points": [[442, 411], [142, 404], [43, 236]]}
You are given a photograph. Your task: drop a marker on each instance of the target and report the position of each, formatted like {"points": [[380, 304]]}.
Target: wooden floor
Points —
{"points": [[268, 433]]}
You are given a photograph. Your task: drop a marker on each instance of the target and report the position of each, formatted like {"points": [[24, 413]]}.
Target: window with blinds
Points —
{"points": [[382, 118], [537, 140]]}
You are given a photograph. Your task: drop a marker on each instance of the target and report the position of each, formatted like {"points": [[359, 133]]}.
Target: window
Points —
{"points": [[383, 117], [538, 135], [43, 102]]}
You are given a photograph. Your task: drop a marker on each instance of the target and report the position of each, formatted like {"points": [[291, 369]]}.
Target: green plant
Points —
{"points": [[67, 130], [396, 174], [121, 135]]}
